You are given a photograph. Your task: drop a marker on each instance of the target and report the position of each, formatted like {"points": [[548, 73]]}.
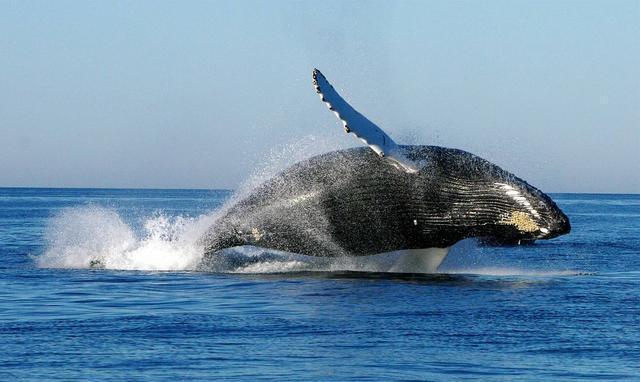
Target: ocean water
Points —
{"points": [[565, 309]]}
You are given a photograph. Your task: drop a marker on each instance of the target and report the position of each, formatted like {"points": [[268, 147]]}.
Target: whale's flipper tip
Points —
{"points": [[322, 86], [359, 125], [316, 75]]}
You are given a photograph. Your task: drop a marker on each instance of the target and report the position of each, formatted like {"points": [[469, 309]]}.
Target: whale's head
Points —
{"points": [[486, 201], [525, 214]]}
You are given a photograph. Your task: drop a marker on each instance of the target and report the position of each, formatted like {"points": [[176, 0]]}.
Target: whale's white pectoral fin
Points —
{"points": [[358, 124]]}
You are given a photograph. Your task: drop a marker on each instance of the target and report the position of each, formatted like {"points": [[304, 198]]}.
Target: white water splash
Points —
{"points": [[92, 236]]}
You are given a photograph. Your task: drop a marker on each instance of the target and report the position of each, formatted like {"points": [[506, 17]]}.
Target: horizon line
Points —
{"points": [[233, 189]]}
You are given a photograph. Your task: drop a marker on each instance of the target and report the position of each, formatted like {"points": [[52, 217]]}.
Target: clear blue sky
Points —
{"points": [[194, 94]]}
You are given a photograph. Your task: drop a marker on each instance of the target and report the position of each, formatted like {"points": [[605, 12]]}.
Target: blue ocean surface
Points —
{"points": [[101, 284]]}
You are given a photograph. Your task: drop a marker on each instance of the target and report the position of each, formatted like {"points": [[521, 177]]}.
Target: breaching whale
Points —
{"points": [[414, 201]]}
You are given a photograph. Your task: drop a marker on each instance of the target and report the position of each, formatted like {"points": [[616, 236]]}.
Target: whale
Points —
{"points": [[411, 201]]}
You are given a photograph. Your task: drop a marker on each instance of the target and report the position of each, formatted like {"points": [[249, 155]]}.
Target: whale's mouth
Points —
{"points": [[558, 227], [523, 230]]}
